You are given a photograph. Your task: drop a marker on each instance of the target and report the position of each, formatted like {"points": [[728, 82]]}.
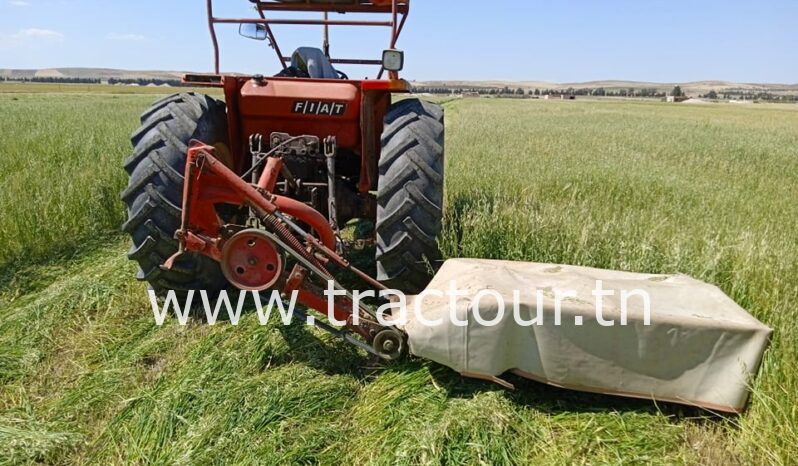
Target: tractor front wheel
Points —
{"points": [[155, 190], [410, 195]]}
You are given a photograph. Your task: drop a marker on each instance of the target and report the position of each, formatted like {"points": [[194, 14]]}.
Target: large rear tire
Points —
{"points": [[155, 190], [410, 195]]}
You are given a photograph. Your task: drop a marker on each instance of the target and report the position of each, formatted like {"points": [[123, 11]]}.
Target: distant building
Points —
{"points": [[559, 96], [676, 98]]}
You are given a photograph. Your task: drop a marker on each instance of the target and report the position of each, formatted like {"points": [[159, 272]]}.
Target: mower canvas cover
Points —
{"points": [[700, 348]]}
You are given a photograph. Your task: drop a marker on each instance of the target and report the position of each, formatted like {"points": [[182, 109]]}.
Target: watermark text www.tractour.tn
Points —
{"points": [[397, 311]]}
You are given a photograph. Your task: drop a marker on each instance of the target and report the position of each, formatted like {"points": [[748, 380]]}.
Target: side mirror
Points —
{"points": [[393, 60], [252, 31]]}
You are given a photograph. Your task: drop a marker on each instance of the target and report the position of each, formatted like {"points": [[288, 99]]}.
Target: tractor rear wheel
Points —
{"points": [[410, 195], [155, 190]]}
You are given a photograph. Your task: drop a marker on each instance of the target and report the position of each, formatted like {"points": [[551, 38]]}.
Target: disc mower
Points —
{"points": [[254, 193]]}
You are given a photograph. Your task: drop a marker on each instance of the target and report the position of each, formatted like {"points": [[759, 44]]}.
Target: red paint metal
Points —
{"points": [[268, 179], [375, 7], [308, 215], [209, 182], [212, 28], [302, 22], [234, 135], [268, 109], [395, 8], [251, 261], [267, 106], [390, 85], [342, 307]]}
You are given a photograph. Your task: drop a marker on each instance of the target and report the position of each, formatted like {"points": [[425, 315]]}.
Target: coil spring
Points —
{"points": [[292, 241]]}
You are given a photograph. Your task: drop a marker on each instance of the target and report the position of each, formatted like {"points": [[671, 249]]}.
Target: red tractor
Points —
{"points": [[253, 192]]}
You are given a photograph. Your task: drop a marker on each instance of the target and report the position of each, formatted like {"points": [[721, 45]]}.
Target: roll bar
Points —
{"points": [[397, 9]]}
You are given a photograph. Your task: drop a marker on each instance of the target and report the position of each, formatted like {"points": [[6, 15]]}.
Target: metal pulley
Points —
{"points": [[251, 261]]}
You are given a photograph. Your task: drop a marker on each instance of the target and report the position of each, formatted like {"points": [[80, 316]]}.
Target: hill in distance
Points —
{"points": [[96, 73], [698, 87]]}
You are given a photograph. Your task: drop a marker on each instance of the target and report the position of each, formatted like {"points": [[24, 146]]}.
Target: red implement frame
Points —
{"points": [[397, 9], [208, 183]]}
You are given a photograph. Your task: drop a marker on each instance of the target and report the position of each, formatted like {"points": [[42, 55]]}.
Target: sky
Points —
{"points": [[518, 40]]}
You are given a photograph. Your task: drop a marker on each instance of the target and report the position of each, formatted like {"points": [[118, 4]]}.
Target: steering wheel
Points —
{"points": [[342, 75]]}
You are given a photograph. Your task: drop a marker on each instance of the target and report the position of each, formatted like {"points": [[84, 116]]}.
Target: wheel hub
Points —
{"points": [[251, 261]]}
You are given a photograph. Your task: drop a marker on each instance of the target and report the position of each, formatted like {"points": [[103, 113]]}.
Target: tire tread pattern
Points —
{"points": [[410, 195], [155, 189]]}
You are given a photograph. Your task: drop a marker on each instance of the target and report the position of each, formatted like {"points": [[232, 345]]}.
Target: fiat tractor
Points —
{"points": [[253, 191]]}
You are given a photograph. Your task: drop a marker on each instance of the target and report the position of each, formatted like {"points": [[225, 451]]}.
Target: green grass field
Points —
{"points": [[86, 375]]}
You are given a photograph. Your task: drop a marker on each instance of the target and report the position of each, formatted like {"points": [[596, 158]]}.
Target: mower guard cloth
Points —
{"points": [[700, 348]]}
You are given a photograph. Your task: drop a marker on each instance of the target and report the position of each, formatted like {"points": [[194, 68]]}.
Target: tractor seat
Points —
{"points": [[312, 62]]}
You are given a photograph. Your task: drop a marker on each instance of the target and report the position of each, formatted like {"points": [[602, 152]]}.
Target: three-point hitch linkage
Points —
{"points": [[252, 254]]}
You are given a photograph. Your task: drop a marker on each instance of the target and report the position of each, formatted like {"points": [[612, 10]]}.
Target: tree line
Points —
{"points": [[112, 81], [52, 79], [730, 94], [521, 92], [145, 82], [750, 95]]}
